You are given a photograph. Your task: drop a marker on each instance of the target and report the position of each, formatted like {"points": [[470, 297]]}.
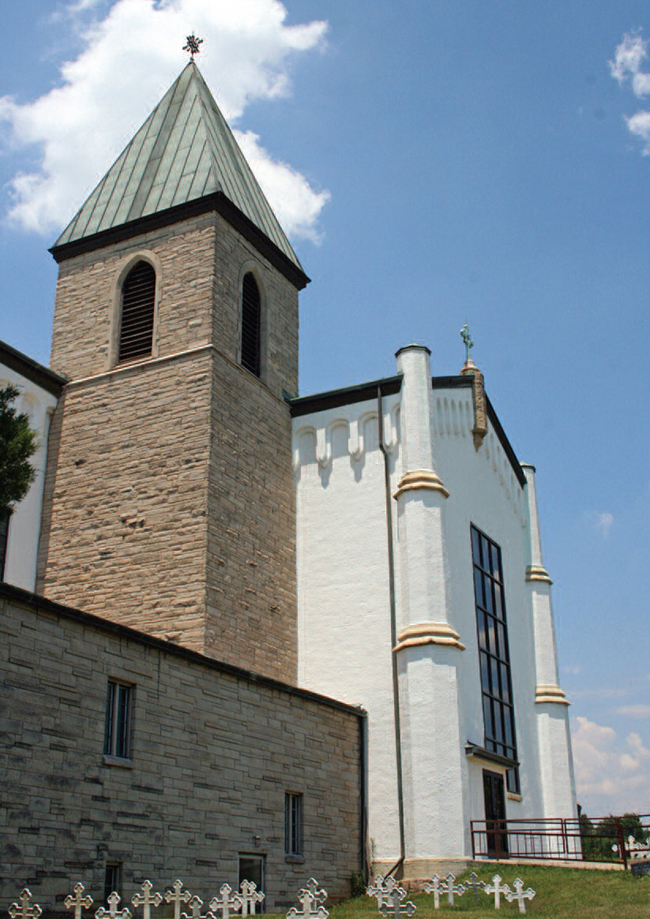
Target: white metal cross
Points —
{"points": [[226, 903], [177, 896], [397, 909], [497, 889], [520, 895], [312, 897], [450, 889], [383, 889], [146, 899], [113, 912], [249, 896], [195, 906], [25, 911], [78, 902], [433, 886]]}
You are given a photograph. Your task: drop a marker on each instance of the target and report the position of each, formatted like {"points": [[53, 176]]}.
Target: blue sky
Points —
{"points": [[441, 162]]}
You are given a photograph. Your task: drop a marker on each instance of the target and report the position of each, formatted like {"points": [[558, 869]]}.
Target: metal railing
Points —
{"points": [[604, 839]]}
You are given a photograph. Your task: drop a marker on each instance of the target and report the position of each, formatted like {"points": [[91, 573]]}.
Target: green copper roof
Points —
{"points": [[183, 152]]}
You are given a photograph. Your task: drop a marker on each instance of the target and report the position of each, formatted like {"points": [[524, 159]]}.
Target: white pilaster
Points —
{"points": [[556, 762], [428, 646]]}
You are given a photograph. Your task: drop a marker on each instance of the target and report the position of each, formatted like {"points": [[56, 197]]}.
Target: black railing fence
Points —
{"points": [[623, 839]]}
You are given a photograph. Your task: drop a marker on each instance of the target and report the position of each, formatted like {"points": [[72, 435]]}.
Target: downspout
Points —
{"points": [[393, 630]]}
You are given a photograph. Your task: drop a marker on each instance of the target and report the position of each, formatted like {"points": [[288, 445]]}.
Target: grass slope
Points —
{"points": [[563, 893]]}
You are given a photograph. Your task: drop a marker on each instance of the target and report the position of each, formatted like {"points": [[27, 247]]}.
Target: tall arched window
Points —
{"points": [[138, 302], [251, 316]]}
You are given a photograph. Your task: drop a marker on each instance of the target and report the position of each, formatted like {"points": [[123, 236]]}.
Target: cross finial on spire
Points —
{"points": [[467, 338], [193, 44]]}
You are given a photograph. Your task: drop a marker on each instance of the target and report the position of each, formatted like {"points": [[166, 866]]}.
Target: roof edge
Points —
{"points": [[217, 201], [39, 603], [42, 376], [363, 392]]}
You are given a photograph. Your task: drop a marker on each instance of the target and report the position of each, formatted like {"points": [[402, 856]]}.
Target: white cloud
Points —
{"points": [[612, 775], [297, 206], [639, 125], [128, 60], [628, 59], [604, 523], [634, 711]]}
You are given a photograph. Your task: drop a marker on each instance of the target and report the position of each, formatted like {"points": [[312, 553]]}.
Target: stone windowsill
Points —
{"points": [[117, 761]]}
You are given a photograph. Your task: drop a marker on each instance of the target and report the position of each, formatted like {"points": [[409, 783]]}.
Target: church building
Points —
{"points": [[265, 634]]}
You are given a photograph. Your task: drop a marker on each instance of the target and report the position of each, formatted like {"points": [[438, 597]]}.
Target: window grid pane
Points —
{"points": [[496, 684]]}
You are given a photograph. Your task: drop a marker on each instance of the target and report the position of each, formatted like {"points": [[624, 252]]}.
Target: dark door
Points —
{"points": [[495, 814], [251, 868]]}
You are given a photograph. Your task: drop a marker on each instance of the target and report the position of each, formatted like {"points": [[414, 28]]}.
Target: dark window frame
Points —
{"points": [[494, 652], [137, 313], [251, 325], [118, 729], [293, 825]]}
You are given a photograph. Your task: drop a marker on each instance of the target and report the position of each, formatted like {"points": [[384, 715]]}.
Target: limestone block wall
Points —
{"points": [[251, 523], [124, 531], [169, 503], [213, 754], [200, 263]]}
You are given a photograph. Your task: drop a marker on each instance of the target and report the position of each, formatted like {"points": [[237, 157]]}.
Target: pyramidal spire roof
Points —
{"points": [[184, 152]]}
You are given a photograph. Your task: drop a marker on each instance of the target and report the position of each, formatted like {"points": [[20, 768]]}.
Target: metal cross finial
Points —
{"points": [[467, 338], [78, 901], [193, 44]]}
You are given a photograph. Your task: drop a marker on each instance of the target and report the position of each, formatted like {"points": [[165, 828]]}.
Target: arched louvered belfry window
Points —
{"points": [[138, 303], [251, 322]]}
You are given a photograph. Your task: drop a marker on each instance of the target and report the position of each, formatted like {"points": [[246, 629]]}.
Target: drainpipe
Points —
{"points": [[393, 630]]}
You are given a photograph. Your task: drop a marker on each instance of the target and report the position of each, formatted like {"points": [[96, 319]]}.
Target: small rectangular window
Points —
{"points": [[119, 705], [112, 880], [293, 825]]}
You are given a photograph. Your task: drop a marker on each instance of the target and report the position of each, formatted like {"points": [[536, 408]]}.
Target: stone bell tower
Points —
{"points": [[169, 501]]}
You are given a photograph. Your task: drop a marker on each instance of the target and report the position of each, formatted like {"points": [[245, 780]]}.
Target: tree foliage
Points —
{"points": [[599, 842], [17, 446]]}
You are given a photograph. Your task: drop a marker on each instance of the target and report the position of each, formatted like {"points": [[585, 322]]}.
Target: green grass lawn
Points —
{"points": [[565, 893]]}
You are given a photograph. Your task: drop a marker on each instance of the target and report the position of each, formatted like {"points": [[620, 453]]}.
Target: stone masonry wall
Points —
{"points": [[127, 534], [170, 504], [251, 565], [199, 265], [213, 754]]}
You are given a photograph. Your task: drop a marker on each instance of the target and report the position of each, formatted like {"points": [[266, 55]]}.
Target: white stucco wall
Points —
{"points": [[344, 617], [25, 522]]}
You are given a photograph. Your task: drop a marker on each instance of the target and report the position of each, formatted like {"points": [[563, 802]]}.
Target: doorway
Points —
{"points": [[495, 814]]}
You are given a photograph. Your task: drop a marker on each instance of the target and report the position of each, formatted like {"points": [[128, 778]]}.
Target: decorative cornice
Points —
{"points": [[424, 479], [550, 692], [538, 573], [428, 633]]}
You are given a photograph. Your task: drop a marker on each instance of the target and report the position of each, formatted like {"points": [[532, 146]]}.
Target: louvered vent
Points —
{"points": [[138, 300], [250, 325]]}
